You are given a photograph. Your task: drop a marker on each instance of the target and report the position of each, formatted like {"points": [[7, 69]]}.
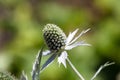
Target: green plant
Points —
{"points": [[58, 45]]}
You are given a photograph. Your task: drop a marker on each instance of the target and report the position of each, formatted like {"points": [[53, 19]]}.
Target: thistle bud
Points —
{"points": [[54, 37]]}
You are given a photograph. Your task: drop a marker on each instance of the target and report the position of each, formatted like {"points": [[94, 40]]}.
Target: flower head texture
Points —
{"points": [[58, 43], [54, 37]]}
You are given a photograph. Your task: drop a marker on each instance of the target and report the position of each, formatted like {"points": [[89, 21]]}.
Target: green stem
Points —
{"points": [[100, 69], [75, 70]]}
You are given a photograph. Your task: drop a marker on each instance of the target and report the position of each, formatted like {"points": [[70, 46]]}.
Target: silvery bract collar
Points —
{"points": [[58, 43]]}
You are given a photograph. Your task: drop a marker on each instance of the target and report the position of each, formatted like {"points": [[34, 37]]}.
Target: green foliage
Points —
{"points": [[6, 76], [21, 24]]}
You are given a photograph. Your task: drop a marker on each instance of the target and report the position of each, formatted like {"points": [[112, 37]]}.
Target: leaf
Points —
{"points": [[48, 61], [83, 32], [62, 58], [36, 66], [76, 44], [23, 76], [47, 52], [71, 36]]}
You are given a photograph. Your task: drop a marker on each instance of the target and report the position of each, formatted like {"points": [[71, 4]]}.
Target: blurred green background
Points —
{"points": [[21, 24]]}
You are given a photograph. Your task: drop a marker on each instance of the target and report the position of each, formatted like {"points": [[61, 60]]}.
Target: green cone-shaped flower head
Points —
{"points": [[54, 37]]}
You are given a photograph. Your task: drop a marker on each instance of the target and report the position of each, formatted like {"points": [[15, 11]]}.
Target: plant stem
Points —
{"points": [[99, 70], [75, 70]]}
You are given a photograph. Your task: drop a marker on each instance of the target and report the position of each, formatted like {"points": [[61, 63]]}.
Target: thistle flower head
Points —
{"points": [[57, 41], [54, 37]]}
